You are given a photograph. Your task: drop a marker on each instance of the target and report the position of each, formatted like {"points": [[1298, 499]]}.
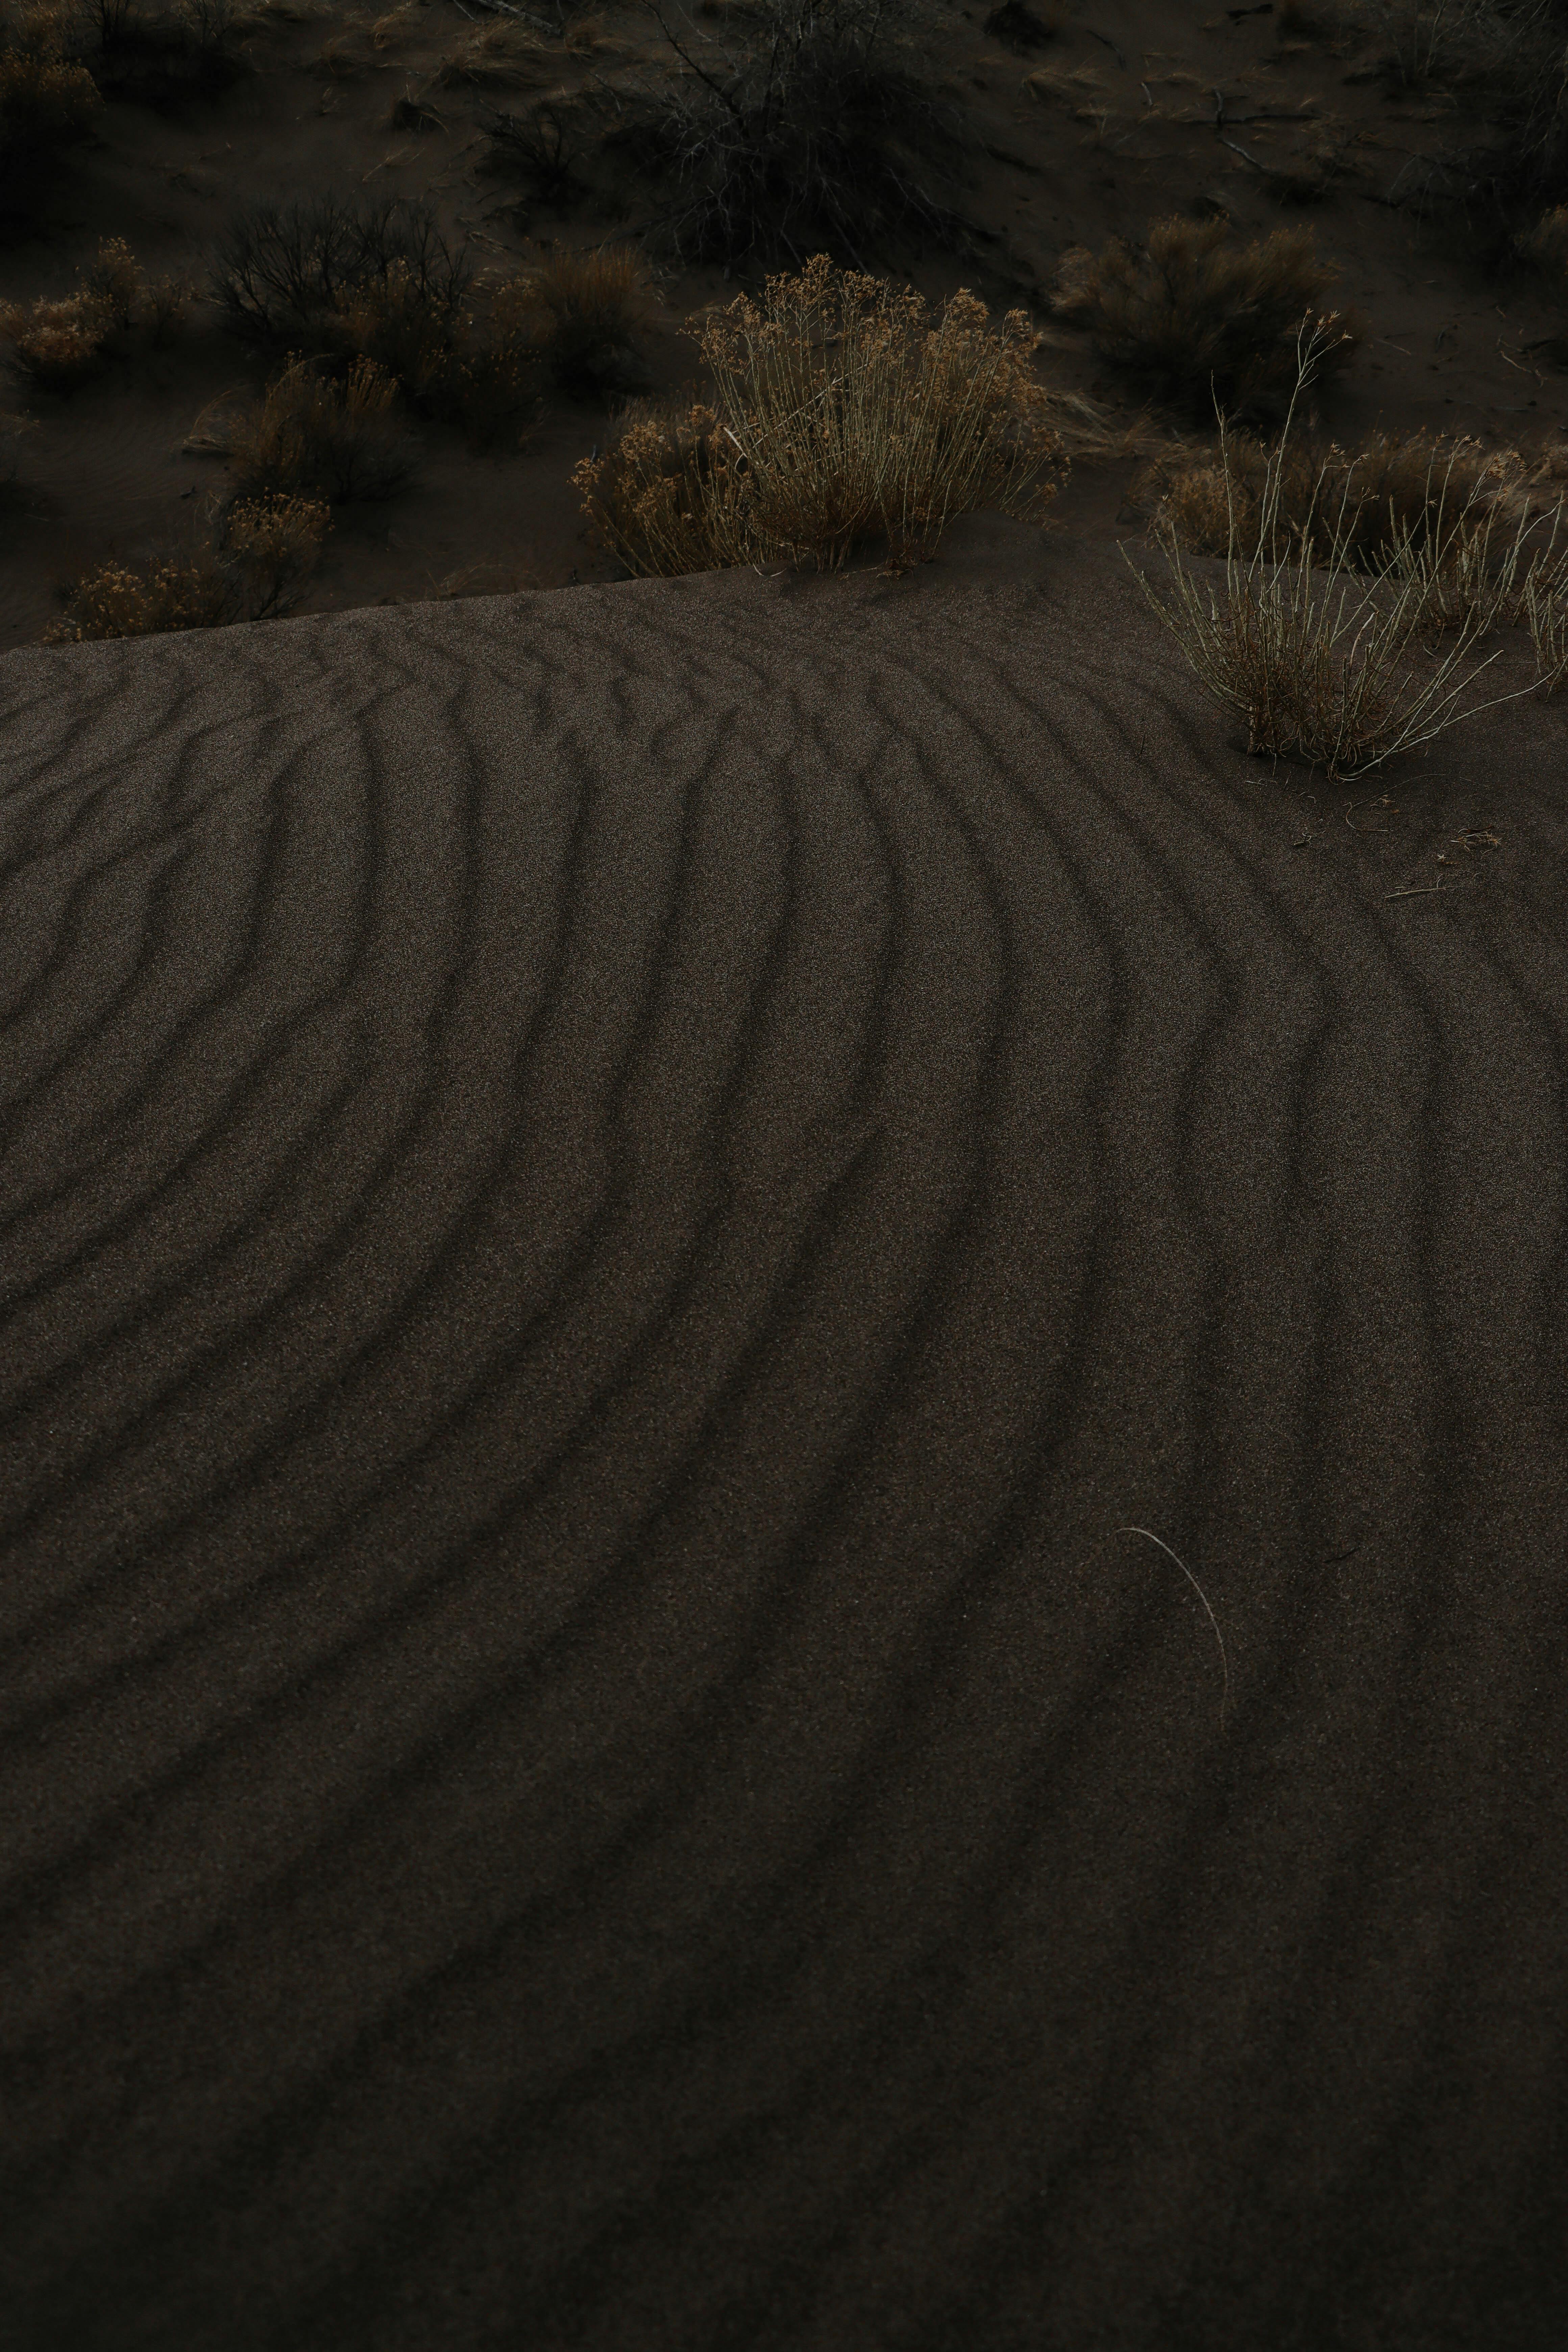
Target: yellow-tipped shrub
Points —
{"points": [[264, 550], [840, 413]]}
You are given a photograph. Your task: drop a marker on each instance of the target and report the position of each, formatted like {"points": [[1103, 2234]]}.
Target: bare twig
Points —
{"points": [[1208, 1612]]}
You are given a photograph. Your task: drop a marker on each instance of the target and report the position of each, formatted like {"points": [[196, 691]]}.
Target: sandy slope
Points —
{"points": [[610, 1203]]}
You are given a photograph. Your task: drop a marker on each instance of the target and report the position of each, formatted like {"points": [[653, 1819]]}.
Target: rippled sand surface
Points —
{"points": [[612, 1205]]}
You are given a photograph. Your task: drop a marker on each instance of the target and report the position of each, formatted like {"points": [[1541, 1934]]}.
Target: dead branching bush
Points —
{"points": [[285, 277], [1202, 319], [1333, 662], [261, 552], [822, 129], [538, 150], [313, 436], [1510, 59], [840, 413], [58, 345], [160, 53]]}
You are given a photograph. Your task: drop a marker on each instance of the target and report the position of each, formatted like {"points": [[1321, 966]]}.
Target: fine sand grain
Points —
{"points": [[613, 1203]]}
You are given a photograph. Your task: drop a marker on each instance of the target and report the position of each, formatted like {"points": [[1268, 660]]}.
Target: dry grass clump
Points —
{"points": [[1331, 662], [499, 57], [580, 309], [822, 129], [1080, 88], [57, 345], [839, 413], [262, 551], [1203, 319], [1397, 487], [312, 437], [1482, 529]]}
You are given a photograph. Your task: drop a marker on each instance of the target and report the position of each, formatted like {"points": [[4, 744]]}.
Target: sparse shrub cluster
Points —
{"points": [[840, 413], [1203, 319], [337, 284], [824, 130], [1509, 57], [261, 551], [58, 345], [1397, 487]]}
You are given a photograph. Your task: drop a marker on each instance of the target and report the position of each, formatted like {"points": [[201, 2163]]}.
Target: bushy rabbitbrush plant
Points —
{"points": [[1201, 317], [260, 553], [54, 345], [841, 411]]}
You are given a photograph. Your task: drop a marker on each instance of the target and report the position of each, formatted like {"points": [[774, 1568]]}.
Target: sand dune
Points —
{"points": [[611, 1204]]}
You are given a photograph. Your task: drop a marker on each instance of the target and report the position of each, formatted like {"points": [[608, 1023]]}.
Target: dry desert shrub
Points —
{"points": [[1478, 530], [822, 129], [117, 281], [313, 436], [839, 412], [1327, 662], [57, 345], [48, 101], [579, 308], [1510, 60], [1396, 487], [491, 387], [538, 149], [1024, 28], [284, 276], [262, 551], [1203, 320]]}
